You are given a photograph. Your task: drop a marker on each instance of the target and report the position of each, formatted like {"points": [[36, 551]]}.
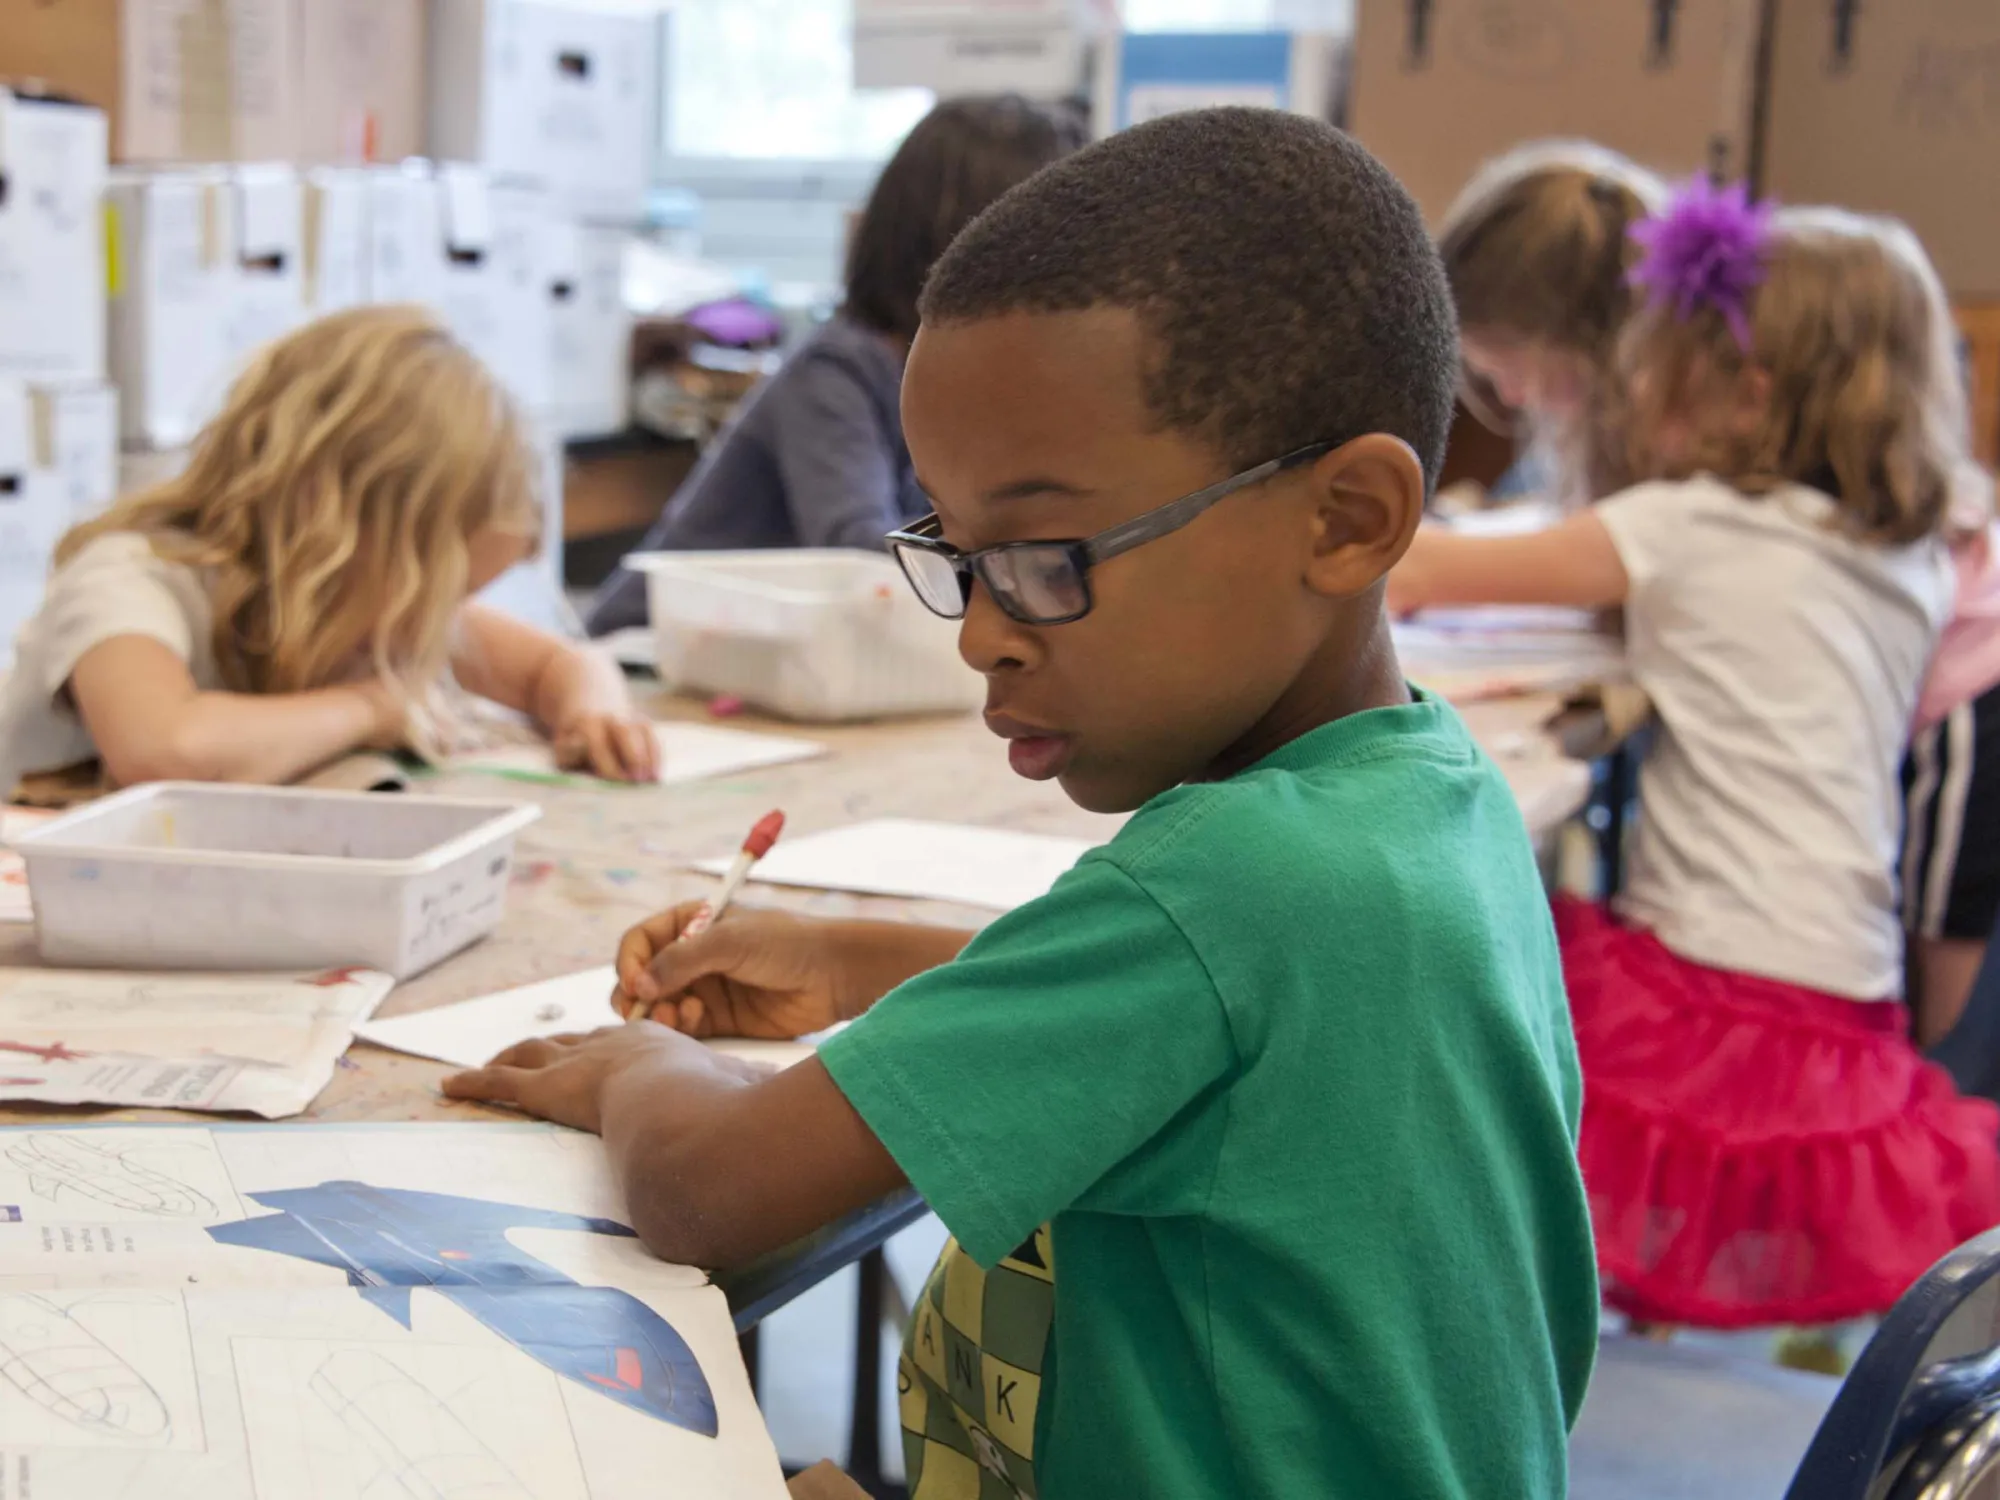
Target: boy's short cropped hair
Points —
{"points": [[1283, 277]]}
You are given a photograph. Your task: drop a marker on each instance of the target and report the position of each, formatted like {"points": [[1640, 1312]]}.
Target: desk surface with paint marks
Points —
{"points": [[603, 858]]}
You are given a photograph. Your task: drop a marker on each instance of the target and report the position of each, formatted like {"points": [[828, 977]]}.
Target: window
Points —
{"points": [[773, 80], [762, 125], [1239, 15]]}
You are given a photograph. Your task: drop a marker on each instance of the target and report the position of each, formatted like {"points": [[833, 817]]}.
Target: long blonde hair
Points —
{"points": [[330, 505], [1536, 249], [1852, 337]]}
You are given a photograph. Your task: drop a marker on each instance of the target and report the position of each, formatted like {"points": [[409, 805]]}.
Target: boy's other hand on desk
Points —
{"points": [[562, 1078], [754, 974], [617, 747]]}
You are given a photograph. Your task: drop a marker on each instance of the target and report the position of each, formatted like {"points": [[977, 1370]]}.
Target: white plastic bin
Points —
{"points": [[180, 875], [812, 633]]}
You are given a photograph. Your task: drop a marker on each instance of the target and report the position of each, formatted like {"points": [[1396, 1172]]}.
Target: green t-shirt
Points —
{"points": [[1286, 1068]]}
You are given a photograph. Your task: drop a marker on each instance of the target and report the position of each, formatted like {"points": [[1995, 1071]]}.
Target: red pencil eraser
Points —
{"points": [[764, 835]]}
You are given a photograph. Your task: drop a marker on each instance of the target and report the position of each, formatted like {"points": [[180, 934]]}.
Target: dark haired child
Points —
{"points": [[1256, 1133], [1538, 258], [816, 457]]}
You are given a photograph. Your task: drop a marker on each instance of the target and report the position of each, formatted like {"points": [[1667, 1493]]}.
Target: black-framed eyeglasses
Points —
{"points": [[1048, 582]]}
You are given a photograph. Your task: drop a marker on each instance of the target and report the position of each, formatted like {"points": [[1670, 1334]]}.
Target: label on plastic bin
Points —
{"points": [[456, 907]]}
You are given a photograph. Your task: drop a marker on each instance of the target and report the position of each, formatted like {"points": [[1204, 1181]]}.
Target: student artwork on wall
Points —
{"points": [[352, 1313]]}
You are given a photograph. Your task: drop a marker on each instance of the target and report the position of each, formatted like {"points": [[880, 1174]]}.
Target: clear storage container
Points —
{"points": [[820, 634], [179, 875]]}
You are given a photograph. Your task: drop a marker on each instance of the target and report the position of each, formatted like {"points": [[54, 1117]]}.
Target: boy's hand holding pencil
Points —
{"points": [[661, 945], [756, 973]]}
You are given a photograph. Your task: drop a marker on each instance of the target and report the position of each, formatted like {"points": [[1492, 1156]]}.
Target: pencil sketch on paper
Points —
{"points": [[52, 999], [417, 1444], [51, 1358], [56, 1163]]}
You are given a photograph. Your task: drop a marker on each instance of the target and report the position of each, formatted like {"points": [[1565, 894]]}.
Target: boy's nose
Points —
{"points": [[989, 641]]}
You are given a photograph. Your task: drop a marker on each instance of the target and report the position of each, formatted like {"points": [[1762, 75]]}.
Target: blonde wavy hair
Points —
{"points": [[1863, 394], [1536, 249], [330, 506]]}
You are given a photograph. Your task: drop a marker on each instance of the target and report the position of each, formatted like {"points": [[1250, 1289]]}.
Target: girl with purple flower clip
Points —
{"points": [[1761, 1142]]}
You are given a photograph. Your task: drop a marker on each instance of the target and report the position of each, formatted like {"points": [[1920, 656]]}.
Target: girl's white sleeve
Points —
{"points": [[115, 586]]}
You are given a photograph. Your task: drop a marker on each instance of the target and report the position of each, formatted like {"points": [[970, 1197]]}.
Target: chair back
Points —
{"points": [[1918, 1418]]}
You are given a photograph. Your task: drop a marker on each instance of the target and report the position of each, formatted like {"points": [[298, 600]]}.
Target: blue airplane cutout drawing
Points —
{"points": [[389, 1240]]}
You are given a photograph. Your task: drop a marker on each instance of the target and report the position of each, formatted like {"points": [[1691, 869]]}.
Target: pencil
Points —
{"points": [[755, 847]]}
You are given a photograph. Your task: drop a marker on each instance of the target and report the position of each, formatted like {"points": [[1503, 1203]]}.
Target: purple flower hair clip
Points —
{"points": [[1705, 250]]}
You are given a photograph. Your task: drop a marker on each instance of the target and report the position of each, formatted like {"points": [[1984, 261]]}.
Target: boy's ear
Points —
{"points": [[1368, 499]]}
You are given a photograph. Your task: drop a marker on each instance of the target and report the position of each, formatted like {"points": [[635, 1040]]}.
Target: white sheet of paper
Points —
{"points": [[469, 1033], [217, 1309], [15, 903], [990, 867], [1470, 654], [688, 752], [262, 1044]]}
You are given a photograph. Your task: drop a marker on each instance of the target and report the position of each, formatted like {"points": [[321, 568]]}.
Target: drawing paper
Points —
{"points": [[688, 752], [262, 1044], [469, 1033], [332, 1312], [1467, 655], [989, 867]]}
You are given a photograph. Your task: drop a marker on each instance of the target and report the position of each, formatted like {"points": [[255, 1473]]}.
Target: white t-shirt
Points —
{"points": [[1783, 658], [117, 585]]}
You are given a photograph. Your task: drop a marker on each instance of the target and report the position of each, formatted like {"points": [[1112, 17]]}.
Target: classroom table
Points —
{"points": [[602, 858]]}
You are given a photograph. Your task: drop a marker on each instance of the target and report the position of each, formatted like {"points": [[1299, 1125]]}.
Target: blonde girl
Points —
{"points": [[1537, 249], [303, 589], [1761, 1142]]}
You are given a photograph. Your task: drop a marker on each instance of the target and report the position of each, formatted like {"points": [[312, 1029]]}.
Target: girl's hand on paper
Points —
{"points": [[617, 747], [754, 973]]}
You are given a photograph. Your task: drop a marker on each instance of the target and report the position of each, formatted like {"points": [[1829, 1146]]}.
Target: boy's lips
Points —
{"points": [[1033, 752]]}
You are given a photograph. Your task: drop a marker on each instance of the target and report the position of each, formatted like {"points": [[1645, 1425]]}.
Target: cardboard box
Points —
{"points": [[1979, 334], [533, 591], [73, 433], [1439, 86], [561, 95], [590, 358], [334, 240], [360, 71], [233, 80], [1894, 109], [210, 263], [182, 80], [476, 254], [52, 270], [405, 235], [490, 277], [34, 513], [142, 468]]}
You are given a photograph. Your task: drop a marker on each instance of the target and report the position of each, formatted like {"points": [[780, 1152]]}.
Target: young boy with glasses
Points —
{"points": [[1262, 1121]]}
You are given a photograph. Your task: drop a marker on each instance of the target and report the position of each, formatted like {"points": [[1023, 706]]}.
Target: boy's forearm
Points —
{"points": [[718, 1169], [878, 956]]}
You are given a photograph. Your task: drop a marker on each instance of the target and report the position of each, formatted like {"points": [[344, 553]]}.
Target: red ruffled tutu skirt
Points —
{"points": [[1759, 1153]]}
